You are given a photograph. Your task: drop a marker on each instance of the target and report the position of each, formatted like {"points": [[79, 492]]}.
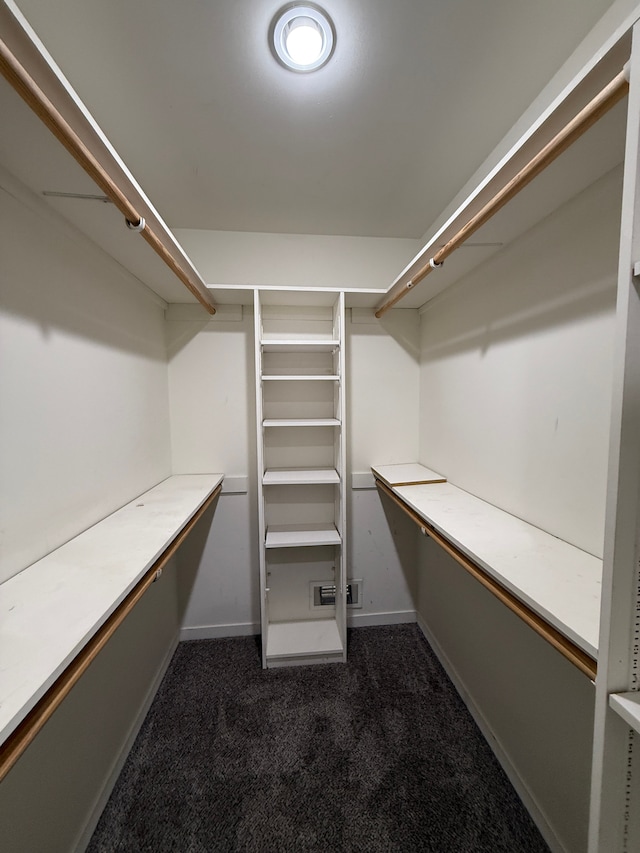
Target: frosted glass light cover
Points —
{"points": [[302, 38], [304, 41]]}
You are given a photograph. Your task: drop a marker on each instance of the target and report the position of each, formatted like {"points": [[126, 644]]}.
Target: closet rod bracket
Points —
{"points": [[138, 226]]}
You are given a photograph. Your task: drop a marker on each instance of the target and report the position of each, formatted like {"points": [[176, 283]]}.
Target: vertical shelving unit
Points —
{"points": [[615, 787], [300, 405]]}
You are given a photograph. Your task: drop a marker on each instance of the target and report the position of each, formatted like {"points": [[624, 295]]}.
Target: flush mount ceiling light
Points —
{"points": [[302, 37]]}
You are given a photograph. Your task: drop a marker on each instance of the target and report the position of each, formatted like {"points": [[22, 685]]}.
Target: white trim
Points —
{"points": [[118, 763], [496, 746], [247, 629], [388, 617], [216, 632], [288, 288]]}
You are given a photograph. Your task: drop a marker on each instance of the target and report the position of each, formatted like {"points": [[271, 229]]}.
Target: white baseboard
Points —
{"points": [[391, 617], [247, 629], [514, 777], [214, 632], [118, 763]]}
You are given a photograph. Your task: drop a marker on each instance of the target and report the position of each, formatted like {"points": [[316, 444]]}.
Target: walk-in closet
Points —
{"points": [[308, 356]]}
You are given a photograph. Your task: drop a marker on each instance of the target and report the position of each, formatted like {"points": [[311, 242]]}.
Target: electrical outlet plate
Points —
{"points": [[354, 600]]}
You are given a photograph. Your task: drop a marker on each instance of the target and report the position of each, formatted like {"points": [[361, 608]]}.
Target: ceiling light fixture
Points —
{"points": [[303, 37]]}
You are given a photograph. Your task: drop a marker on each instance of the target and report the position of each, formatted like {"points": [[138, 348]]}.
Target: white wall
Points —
{"points": [[534, 707], [84, 428], [83, 382], [213, 429], [294, 260], [52, 799], [382, 403], [212, 393], [516, 371]]}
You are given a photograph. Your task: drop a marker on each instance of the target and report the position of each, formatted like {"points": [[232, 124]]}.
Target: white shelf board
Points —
{"points": [[292, 345], [299, 476], [406, 474], [50, 610], [310, 637], [558, 581], [627, 705], [301, 535], [300, 422], [301, 377]]}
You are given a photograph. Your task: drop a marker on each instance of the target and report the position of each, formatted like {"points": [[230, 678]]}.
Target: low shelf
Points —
{"points": [[554, 586], [57, 609], [303, 639]]}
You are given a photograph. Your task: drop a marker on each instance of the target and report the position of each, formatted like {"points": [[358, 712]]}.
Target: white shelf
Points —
{"points": [[300, 476], [50, 610], [301, 535], [406, 474], [300, 422], [627, 705], [292, 345], [302, 377], [558, 581], [298, 639]]}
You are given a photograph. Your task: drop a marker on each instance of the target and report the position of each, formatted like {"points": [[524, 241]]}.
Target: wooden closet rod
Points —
{"points": [[18, 77], [19, 740], [567, 649], [588, 116]]}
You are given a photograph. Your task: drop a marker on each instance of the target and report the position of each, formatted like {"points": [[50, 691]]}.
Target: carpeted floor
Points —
{"points": [[376, 755]]}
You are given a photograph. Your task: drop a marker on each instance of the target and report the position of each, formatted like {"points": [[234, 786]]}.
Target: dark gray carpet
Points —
{"points": [[379, 754]]}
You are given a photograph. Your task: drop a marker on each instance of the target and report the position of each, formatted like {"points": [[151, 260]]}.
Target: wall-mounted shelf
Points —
{"points": [[558, 583], [56, 612]]}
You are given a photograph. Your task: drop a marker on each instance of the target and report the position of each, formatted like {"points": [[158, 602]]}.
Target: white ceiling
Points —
{"points": [[377, 143]]}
